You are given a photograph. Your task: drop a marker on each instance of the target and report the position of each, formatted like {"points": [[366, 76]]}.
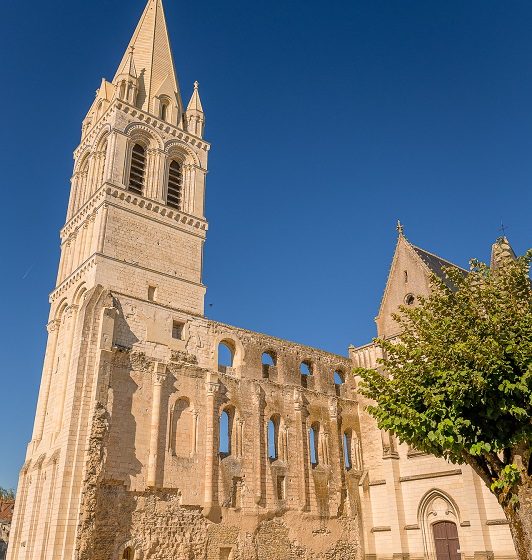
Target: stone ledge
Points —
{"points": [[430, 475], [377, 483], [497, 522], [380, 529]]}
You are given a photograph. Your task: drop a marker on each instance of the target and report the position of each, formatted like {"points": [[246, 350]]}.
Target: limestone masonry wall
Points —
{"points": [[164, 484]]}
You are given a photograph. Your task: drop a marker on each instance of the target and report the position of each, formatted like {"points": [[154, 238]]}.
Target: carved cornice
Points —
{"points": [[72, 279], [181, 218], [83, 213], [88, 140], [160, 125]]}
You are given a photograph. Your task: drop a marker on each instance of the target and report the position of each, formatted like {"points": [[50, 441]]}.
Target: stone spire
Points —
{"points": [[153, 62], [195, 116]]}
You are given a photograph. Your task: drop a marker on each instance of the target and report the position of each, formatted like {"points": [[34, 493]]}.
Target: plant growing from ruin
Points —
{"points": [[458, 382]]}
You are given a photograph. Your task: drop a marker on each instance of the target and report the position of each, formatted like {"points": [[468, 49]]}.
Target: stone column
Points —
{"points": [[71, 314], [257, 445], [159, 376], [195, 421], [301, 429], [109, 157], [211, 509], [53, 331], [101, 230]]}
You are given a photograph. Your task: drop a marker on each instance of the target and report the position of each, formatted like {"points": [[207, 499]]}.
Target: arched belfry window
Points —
{"points": [[175, 185], [138, 169], [128, 554]]}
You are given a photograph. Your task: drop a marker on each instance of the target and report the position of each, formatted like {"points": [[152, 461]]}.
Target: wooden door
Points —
{"points": [[446, 540]]}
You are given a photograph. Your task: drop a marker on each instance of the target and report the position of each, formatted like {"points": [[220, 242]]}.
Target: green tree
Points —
{"points": [[6, 494], [458, 382]]}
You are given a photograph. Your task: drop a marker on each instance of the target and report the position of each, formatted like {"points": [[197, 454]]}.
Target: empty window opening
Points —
{"points": [[405, 274], [281, 488], [177, 330], [175, 185], [268, 361], [314, 438], [339, 380], [410, 299], [226, 430], [273, 438], [306, 368], [128, 554], [152, 293], [225, 356], [137, 169], [348, 440], [306, 371]]}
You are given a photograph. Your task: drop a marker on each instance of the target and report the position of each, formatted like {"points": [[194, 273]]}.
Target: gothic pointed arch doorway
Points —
{"points": [[439, 519], [446, 541]]}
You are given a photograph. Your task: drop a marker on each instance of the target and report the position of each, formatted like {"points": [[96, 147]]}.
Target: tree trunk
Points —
{"points": [[520, 518]]}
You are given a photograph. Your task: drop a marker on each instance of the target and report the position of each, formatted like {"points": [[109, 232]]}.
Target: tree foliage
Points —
{"points": [[458, 382], [7, 494]]}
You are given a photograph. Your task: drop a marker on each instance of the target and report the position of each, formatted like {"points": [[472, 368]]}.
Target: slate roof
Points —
{"points": [[436, 264]]}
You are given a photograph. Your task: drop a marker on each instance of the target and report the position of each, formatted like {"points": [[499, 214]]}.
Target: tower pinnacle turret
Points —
{"points": [[195, 116]]}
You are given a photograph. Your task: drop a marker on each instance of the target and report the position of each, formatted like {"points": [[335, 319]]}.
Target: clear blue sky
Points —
{"points": [[328, 122]]}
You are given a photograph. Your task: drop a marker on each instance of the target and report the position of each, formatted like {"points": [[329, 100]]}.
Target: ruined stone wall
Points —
{"points": [[166, 491]]}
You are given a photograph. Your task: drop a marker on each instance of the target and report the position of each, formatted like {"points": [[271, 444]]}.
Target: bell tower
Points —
{"points": [[135, 221], [135, 228]]}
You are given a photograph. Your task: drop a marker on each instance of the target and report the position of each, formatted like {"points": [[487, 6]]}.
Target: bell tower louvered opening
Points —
{"points": [[138, 169], [175, 185]]}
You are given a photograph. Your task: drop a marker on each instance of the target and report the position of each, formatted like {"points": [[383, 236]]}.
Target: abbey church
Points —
{"points": [[146, 445]]}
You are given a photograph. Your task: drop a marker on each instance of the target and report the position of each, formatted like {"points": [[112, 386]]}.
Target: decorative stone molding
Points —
{"points": [[184, 220], [160, 373], [89, 139], [497, 522], [412, 527], [72, 279], [377, 483], [157, 124], [88, 209], [424, 476], [212, 387], [53, 326], [380, 529]]}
